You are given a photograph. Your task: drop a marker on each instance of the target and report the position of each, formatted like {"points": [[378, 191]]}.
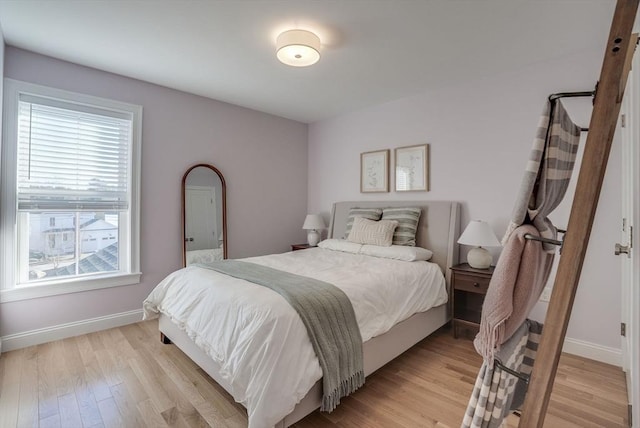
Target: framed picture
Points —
{"points": [[374, 171], [412, 168]]}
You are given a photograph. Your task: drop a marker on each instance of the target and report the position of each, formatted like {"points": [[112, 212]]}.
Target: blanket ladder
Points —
{"points": [[606, 108]]}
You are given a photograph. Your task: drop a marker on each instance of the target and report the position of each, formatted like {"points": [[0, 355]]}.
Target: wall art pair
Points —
{"points": [[411, 169]]}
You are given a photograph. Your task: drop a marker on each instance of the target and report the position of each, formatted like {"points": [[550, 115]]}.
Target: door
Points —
{"points": [[201, 219], [628, 246]]}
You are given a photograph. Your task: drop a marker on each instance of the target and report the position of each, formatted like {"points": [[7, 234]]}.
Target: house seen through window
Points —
{"points": [[55, 252]]}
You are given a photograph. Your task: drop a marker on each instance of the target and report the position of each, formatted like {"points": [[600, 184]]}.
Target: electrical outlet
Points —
{"points": [[545, 296]]}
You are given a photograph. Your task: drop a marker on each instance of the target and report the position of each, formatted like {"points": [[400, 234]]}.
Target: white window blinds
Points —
{"points": [[72, 157]]}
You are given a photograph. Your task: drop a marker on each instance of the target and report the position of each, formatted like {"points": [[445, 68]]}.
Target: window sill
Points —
{"points": [[68, 286]]}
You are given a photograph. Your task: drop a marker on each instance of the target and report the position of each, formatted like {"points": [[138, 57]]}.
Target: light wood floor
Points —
{"points": [[124, 377]]}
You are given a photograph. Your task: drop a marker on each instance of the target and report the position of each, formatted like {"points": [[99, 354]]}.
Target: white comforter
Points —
{"points": [[257, 337]]}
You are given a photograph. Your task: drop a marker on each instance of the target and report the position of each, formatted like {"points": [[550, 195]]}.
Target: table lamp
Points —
{"points": [[479, 234], [313, 223]]}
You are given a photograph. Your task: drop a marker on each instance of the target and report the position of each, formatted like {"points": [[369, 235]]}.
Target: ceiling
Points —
{"points": [[373, 51]]}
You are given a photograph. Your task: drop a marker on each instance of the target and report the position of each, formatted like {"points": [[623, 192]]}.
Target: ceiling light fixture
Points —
{"points": [[298, 48]]}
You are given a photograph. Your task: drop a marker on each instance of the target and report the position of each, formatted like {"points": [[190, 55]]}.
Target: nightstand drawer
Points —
{"points": [[473, 284]]}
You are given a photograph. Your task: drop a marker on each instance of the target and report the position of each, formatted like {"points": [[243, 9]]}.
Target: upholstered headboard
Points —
{"points": [[438, 229]]}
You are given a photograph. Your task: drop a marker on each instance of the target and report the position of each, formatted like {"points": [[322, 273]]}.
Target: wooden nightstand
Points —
{"points": [[469, 286], [296, 247]]}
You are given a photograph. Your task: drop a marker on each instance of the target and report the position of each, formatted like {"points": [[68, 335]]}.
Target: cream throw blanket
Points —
{"points": [[519, 277]]}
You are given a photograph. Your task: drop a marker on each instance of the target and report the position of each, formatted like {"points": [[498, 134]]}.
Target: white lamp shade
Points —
{"points": [[298, 48], [479, 234], [313, 222]]}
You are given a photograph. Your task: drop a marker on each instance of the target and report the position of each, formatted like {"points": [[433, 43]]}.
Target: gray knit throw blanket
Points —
{"points": [[328, 315], [548, 172]]}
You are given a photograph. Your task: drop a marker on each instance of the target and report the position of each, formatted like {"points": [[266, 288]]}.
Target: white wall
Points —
{"points": [[262, 157], [480, 135]]}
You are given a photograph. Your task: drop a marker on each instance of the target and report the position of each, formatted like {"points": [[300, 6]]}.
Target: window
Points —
{"points": [[70, 167]]}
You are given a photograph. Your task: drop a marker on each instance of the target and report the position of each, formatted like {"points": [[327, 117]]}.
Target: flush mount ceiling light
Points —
{"points": [[298, 48]]}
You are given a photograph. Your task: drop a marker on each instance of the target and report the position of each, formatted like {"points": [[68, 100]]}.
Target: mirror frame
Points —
{"points": [[224, 210]]}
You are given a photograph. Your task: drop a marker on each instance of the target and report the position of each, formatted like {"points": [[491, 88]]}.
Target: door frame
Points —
{"points": [[212, 194], [630, 287]]}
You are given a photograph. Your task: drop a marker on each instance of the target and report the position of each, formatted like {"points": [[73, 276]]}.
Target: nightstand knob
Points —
{"points": [[476, 284]]}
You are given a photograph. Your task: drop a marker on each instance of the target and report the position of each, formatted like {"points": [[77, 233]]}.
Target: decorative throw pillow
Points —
{"points": [[365, 231], [368, 213], [407, 219]]}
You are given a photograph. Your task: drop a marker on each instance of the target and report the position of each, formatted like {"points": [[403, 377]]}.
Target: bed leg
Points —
{"points": [[164, 339]]}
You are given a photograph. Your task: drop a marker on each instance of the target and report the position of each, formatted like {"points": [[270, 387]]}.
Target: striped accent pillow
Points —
{"points": [[407, 219], [365, 231], [368, 213]]}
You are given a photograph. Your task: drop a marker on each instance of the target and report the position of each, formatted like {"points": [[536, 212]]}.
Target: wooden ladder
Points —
{"points": [[606, 108]]}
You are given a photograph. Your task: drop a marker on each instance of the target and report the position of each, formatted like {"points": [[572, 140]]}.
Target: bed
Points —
{"points": [[438, 230]]}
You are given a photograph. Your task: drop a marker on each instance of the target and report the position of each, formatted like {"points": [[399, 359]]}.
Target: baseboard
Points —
{"points": [[592, 351], [62, 331], [10, 342]]}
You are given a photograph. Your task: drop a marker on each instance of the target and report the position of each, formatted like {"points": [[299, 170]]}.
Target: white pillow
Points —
{"points": [[365, 231], [397, 252], [340, 245]]}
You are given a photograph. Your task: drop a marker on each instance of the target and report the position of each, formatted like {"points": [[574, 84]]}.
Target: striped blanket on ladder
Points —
{"points": [[497, 392], [548, 172], [512, 294]]}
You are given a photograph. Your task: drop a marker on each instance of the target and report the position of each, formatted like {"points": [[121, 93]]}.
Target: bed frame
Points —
{"points": [[438, 231]]}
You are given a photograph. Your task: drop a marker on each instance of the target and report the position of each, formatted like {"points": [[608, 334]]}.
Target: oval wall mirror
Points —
{"points": [[204, 217]]}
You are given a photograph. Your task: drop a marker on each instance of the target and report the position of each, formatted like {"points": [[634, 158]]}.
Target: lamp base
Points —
{"points": [[479, 258], [313, 237]]}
